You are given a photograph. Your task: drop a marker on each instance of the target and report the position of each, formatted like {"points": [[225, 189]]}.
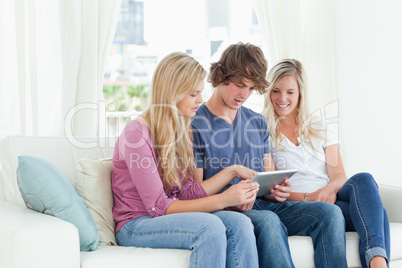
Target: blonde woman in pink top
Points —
{"points": [[156, 202]]}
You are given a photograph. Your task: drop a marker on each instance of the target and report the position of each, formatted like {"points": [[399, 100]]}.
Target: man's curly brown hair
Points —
{"points": [[238, 62]]}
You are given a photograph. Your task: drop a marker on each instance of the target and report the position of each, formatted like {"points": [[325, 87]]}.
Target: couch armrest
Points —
{"points": [[391, 197], [32, 239]]}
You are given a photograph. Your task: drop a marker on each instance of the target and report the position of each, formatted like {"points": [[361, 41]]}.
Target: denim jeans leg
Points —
{"points": [[323, 222], [202, 233], [361, 205], [241, 244], [272, 239]]}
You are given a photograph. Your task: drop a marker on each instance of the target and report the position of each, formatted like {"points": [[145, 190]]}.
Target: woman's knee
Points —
{"points": [[235, 221], [363, 179], [211, 224], [239, 227]]}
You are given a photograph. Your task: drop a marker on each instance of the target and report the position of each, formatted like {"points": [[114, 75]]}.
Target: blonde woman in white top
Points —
{"points": [[312, 148]]}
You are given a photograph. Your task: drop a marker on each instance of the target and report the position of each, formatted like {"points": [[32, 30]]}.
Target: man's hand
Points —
{"points": [[280, 192]]}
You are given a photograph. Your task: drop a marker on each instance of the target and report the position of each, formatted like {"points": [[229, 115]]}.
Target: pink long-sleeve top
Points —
{"points": [[136, 183]]}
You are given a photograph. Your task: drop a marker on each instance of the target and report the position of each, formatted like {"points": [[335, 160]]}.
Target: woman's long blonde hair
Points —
{"points": [[176, 76], [283, 69]]}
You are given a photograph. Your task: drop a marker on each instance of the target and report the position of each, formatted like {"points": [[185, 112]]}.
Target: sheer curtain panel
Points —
{"points": [[303, 30], [53, 55]]}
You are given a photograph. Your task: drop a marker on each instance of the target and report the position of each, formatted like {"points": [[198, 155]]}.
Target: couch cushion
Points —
{"points": [[302, 251], [352, 249], [396, 241], [128, 257], [45, 189], [93, 184]]}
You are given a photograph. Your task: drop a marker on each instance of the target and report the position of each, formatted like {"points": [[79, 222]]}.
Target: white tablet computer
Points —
{"points": [[268, 180]]}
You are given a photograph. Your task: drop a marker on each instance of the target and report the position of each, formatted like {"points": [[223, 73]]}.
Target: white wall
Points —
{"points": [[368, 42]]}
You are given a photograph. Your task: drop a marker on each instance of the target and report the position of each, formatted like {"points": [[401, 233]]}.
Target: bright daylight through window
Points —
{"points": [[148, 30]]}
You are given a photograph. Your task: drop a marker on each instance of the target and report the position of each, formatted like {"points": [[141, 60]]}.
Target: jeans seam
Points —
{"points": [[233, 249], [363, 219]]}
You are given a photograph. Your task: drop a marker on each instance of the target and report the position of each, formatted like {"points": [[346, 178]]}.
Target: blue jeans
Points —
{"points": [[323, 222], [219, 239], [364, 213]]}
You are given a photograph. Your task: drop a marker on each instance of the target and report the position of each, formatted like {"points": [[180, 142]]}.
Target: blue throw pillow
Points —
{"points": [[45, 189]]}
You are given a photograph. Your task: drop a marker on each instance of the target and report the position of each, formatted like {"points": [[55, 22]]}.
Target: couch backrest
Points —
{"points": [[64, 153]]}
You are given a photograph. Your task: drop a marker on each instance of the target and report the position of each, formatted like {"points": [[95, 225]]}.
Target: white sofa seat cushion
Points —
{"points": [[352, 249], [302, 250], [396, 241], [129, 257]]}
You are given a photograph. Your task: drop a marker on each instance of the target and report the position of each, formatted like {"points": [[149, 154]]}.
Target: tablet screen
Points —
{"points": [[268, 180]]}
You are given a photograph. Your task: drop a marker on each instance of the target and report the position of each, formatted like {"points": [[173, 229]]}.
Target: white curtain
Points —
{"points": [[52, 60], [303, 30]]}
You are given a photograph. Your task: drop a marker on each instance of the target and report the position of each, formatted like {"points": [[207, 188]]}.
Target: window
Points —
{"points": [[148, 30]]}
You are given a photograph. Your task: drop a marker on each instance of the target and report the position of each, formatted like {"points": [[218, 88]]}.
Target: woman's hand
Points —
{"points": [[280, 192], [244, 172], [241, 196], [217, 182], [325, 194]]}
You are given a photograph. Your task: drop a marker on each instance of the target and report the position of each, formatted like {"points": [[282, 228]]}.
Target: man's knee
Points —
{"points": [[333, 215], [266, 222]]}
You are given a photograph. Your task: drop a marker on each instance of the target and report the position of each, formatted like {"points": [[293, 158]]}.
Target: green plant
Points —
{"points": [[126, 97]]}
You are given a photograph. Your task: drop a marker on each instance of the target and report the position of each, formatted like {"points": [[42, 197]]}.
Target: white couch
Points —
{"points": [[32, 239]]}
